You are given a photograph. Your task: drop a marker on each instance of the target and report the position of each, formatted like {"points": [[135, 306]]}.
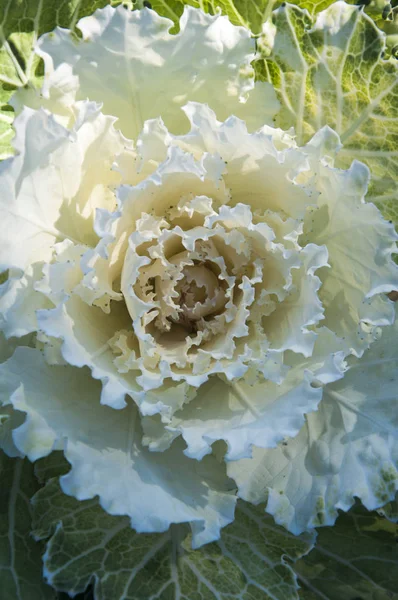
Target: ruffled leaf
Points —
{"points": [[242, 414], [22, 22], [247, 414], [248, 561], [51, 189], [347, 448], [156, 72], [336, 217], [352, 289], [104, 448]]}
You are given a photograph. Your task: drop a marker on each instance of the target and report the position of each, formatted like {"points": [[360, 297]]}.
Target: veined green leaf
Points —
{"points": [[329, 70], [88, 545], [357, 558], [20, 556], [247, 13], [383, 12], [315, 6]]}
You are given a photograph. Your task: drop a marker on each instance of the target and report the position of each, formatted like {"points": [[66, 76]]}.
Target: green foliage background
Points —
{"points": [[254, 560]]}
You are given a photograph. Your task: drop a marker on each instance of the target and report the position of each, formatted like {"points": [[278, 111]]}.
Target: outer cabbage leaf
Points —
{"points": [[352, 289], [21, 23], [145, 72], [104, 447], [357, 558], [347, 448], [20, 556], [87, 545], [51, 189], [329, 70]]}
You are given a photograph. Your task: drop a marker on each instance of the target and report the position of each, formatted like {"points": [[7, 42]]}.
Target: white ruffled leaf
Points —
{"points": [[289, 326], [347, 448], [52, 187], [248, 413], [258, 173], [85, 332], [19, 301], [151, 73], [244, 415], [105, 451], [360, 245]]}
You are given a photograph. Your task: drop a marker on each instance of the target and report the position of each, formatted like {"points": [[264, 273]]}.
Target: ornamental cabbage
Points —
{"points": [[190, 292]]}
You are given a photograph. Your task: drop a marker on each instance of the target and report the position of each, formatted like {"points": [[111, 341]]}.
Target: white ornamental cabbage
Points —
{"points": [[185, 284]]}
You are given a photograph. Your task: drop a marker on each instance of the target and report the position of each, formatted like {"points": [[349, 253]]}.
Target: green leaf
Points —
{"points": [[20, 556], [88, 595], [21, 23], [247, 13], [385, 15], [172, 9], [250, 560], [329, 71], [355, 559], [53, 465], [315, 6]]}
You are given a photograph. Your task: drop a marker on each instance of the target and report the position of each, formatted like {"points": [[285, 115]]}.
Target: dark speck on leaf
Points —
{"points": [[147, 4]]}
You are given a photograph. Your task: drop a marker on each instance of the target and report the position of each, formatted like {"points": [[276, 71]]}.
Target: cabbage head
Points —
{"points": [[198, 301]]}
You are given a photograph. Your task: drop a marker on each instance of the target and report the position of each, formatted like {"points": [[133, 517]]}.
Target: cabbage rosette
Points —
{"points": [[189, 292]]}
